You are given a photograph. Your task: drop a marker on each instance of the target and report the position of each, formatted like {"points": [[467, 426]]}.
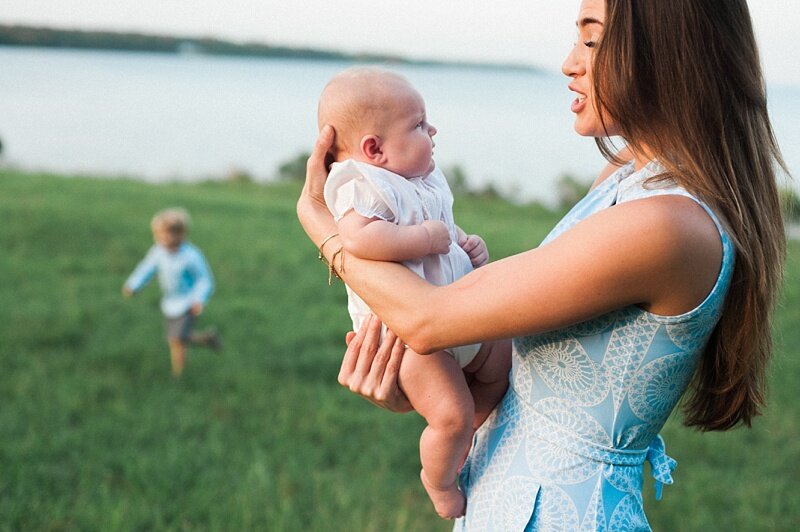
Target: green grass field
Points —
{"points": [[96, 435]]}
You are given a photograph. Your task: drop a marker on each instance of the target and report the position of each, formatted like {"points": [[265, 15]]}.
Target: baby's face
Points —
{"points": [[408, 137]]}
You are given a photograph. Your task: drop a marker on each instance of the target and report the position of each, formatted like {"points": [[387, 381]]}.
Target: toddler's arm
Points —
{"points": [[376, 239], [203, 284], [474, 246], [143, 272]]}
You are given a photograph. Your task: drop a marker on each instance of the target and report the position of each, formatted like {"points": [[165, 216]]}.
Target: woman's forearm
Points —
{"points": [[315, 219]]}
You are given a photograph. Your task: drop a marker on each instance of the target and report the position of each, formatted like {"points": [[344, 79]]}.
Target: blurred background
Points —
{"points": [[110, 112], [204, 101]]}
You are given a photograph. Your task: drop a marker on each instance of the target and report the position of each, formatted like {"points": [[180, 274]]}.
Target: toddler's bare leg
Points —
{"points": [[177, 352], [208, 338], [436, 387]]}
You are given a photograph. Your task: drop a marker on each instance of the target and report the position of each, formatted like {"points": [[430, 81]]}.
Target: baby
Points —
{"points": [[391, 203]]}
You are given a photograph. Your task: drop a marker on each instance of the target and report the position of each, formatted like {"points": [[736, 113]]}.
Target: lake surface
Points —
{"points": [[190, 117]]}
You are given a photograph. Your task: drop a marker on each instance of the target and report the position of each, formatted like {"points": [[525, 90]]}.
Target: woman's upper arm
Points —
{"points": [[643, 252]]}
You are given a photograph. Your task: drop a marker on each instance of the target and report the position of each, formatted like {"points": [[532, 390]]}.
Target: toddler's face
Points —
{"points": [[408, 138], [169, 239]]}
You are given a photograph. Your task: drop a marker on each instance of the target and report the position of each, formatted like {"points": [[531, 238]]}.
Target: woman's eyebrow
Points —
{"points": [[586, 21]]}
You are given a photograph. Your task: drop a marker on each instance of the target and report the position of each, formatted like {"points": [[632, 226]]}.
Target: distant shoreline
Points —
{"points": [[46, 37]]}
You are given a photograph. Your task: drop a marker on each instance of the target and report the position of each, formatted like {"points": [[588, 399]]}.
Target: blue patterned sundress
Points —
{"points": [[565, 448]]}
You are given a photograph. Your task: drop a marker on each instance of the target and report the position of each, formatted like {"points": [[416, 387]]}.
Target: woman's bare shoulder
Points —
{"points": [[679, 247]]}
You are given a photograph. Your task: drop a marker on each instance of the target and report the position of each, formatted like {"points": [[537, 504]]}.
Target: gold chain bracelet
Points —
{"points": [[331, 269], [325, 241]]}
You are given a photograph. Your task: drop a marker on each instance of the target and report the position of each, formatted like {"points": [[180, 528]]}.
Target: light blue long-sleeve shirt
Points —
{"points": [[183, 275]]}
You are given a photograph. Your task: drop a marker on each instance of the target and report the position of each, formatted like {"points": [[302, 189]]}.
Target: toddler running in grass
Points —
{"points": [[391, 203], [186, 284]]}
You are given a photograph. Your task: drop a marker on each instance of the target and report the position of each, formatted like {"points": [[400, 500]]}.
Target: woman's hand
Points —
{"points": [[370, 367], [311, 209]]}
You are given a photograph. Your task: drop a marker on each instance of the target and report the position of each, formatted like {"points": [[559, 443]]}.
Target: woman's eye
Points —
{"points": [[590, 44]]}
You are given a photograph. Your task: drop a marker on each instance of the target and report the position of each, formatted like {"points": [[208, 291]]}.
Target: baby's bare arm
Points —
{"points": [[376, 239]]}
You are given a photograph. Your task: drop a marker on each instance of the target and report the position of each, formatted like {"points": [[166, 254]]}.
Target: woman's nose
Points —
{"points": [[572, 65]]}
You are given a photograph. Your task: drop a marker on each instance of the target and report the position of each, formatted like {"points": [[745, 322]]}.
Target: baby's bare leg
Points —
{"points": [[489, 370], [436, 387]]}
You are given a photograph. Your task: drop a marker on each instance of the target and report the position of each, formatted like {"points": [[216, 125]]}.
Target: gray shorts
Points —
{"points": [[179, 328]]}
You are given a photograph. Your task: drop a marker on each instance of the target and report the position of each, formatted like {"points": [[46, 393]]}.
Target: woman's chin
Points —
{"points": [[587, 131]]}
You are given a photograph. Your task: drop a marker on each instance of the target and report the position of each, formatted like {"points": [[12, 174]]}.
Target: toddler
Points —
{"points": [[185, 280], [391, 203]]}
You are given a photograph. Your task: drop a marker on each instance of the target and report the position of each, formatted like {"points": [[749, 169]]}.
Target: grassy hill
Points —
{"points": [[96, 435]]}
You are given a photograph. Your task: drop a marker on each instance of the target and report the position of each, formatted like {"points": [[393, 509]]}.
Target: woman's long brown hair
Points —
{"points": [[682, 81]]}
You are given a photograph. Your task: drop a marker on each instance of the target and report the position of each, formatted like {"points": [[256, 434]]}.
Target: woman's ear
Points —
{"points": [[371, 149]]}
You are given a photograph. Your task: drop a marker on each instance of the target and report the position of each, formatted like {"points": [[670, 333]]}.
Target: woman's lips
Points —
{"points": [[578, 104]]}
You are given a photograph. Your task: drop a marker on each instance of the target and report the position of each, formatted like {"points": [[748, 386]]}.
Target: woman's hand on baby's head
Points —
{"points": [[318, 165], [438, 236]]}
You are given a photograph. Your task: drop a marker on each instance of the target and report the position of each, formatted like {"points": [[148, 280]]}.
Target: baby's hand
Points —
{"points": [[475, 248], [438, 236]]}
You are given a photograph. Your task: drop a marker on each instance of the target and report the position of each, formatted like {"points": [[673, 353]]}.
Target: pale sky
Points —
{"points": [[525, 32]]}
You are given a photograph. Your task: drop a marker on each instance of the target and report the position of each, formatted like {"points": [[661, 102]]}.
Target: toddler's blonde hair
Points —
{"points": [[174, 219]]}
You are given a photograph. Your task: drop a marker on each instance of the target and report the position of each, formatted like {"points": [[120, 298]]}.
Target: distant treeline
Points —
{"points": [[107, 40], [16, 35]]}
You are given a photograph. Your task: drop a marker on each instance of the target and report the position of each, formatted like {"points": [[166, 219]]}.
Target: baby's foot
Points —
{"points": [[449, 502]]}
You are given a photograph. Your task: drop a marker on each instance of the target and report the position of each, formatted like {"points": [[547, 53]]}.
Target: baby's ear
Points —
{"points": [[371, 149]]}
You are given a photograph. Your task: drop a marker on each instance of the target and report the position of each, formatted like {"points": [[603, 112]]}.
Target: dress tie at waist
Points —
{"points": [[660, 463]]}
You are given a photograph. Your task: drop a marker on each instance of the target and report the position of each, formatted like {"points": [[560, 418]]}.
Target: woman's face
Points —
{"points": [[578, 66]]}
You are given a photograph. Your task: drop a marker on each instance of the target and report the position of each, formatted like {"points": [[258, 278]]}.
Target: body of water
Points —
{"points": [[191, 117]]}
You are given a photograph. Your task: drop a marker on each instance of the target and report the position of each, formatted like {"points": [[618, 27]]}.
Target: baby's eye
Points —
{"points": [[420, 125]]}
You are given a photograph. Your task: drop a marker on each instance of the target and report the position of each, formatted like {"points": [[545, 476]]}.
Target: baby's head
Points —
{"points": [[379, 118], [170, 227]]}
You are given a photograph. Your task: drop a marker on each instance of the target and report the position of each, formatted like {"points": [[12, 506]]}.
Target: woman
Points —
{"points": [[662, 279]]}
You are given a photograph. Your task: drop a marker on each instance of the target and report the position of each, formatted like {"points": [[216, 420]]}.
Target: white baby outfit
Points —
{"points": [[374, 192]]}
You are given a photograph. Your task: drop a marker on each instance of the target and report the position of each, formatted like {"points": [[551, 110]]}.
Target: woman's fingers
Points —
{"points": [[366, 355], [371, 366], [312, 211], [349, 337], [350, 358], [316, 166], [378, 368], [389, 392]]}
